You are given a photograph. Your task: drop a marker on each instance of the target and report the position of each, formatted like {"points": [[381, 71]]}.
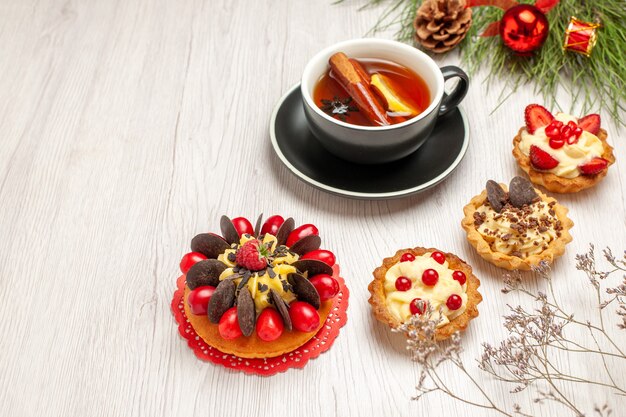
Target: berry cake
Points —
{"points": [[404, 282], [560, 152], [516, 227], [258, 293]]}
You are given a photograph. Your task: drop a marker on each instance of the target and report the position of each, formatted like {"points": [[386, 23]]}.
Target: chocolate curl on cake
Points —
{"points": [[304, 290], [209, 244], [306, 244], [283, 231], [229, 231], [206, 272], [350, 77], [312, 267], [222, 299], [259, 224], [282, 307]]}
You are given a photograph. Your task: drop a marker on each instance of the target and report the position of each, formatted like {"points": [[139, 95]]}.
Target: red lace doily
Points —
{"points": [[319, 344]]}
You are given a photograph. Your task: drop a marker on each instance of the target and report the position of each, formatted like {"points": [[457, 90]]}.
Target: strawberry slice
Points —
{"points": [[595, 166], [590, 123], [541, 159], [537, 116]]}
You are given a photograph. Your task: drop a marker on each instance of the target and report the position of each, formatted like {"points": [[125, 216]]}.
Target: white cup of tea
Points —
{"points": [[380, 144]]}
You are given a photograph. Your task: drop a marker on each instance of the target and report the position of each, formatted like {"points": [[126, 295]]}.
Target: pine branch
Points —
{"points": [[595, 84]]}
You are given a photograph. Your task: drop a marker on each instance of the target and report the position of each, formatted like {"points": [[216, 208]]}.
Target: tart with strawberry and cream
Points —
{"points": [[516, 227], [405, 282], [563, 153], [258, 292]]}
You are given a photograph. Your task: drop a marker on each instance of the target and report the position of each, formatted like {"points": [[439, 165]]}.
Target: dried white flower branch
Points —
{"points": [[430, 354], [525, 357]]}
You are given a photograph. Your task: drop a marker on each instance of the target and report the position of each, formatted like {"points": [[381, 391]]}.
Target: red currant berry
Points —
{"points": [[198, 299], [327, 287], [272, 224], [572, 140], [556, 143], [459, 276], [243, 226], [454, 302], [430, 277], [558, 123], [439, 257], [269, 325], [300, 232], [304, 316], [403, 284], [229, 325], [189, 260], [322, 255], [572, 124], [407, 257], [417, 307]]}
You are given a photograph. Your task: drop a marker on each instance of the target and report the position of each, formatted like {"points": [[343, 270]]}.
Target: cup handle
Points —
{"points": [[450, 101]]}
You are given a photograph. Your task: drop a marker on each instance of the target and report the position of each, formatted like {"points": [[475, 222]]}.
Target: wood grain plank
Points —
{"points": [[128, 127]]}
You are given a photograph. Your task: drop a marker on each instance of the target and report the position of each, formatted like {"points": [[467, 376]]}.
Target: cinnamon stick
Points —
{"points": [[358, 87], [359, 68]]}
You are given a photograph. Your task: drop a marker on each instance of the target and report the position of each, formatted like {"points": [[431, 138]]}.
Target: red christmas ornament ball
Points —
{"points": [[524, 28]]}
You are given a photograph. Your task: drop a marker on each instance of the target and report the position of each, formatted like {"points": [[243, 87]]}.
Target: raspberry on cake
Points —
{"points": [[518, 227], [251, 294], [252, 255], [563, 153], [406, 281]]}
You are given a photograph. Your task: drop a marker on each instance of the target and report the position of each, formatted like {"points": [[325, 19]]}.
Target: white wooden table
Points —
{"points": [[130, 126]]}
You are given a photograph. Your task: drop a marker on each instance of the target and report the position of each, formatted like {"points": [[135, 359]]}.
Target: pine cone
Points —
{"points": [[441, 24]]}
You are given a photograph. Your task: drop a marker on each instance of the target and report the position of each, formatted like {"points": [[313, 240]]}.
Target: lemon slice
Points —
{"points": [[394, 102]]}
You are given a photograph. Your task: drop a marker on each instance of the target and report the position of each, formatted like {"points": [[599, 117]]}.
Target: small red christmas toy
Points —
{"points": [[580, 36]]}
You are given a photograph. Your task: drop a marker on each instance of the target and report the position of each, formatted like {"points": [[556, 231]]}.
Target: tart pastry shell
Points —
{"points": [[252, 346], [555, 249], [378, 297], [558, 184]]}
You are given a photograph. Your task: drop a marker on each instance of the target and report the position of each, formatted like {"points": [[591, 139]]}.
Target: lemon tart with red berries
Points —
{"points": [[405, 282]]}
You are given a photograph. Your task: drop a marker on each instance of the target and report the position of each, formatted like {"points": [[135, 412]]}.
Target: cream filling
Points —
{"points": [[398, 302], [570, 157], [497, 230], [260, 286]]}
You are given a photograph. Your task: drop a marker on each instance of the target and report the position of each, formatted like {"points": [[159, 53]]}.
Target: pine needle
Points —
{"points": [[595, 84]]}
